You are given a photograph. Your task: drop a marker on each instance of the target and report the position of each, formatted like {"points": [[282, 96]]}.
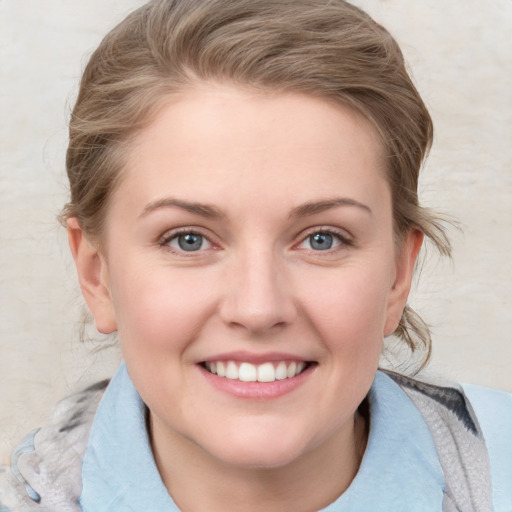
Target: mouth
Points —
{"points": [[270, 371]]}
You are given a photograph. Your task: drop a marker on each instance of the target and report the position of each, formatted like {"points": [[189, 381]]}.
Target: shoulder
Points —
{"points": [[493, 409], [492, 406], [472, 430], [45, 471]]}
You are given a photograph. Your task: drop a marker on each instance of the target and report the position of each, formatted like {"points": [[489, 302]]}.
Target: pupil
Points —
{"points": [[190, 242], [321, 241]]}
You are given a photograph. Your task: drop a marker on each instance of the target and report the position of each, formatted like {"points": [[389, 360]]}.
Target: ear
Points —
{"points": [[405, 264], [93, 276]]}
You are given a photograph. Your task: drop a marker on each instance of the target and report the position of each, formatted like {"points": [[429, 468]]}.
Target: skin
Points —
{"points": [[257, 286]]}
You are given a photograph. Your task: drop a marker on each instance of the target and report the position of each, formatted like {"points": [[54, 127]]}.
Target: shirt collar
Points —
{"points": [[400, 470], [118, 471]]}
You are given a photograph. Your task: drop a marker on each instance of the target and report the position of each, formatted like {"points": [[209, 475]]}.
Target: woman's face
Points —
{"points": [[252, 238]]}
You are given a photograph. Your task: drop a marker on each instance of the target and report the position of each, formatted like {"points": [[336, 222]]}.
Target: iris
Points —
{"points": [[190, 242], [321, 241]]}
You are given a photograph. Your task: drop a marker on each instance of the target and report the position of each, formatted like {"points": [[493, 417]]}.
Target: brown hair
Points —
{"points": [[326, 48]]}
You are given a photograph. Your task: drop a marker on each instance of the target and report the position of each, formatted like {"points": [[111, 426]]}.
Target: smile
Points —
{"points": [[248, 372]]}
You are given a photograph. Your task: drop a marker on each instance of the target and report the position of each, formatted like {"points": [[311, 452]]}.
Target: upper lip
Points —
{"points": [[251, 357]]}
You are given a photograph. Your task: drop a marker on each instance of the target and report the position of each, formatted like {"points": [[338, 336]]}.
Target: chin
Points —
{"points": [[259, 459], [262, 450]]}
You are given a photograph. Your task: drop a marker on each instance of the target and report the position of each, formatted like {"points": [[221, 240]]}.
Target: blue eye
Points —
{"points": [[321, 241], [189, 242]]}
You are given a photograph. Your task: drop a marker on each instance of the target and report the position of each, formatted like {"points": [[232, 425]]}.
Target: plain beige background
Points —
{"points": [[460, 54]]}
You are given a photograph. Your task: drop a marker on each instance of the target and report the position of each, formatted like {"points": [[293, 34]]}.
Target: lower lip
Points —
{"points": [[257, 390]]}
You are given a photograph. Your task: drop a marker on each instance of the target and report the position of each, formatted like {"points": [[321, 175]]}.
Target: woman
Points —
{"points": [[244, 215]]}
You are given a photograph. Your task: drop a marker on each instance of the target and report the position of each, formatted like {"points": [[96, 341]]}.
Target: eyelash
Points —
{"points": [[345, 241], [343, 238], [168, 237]]}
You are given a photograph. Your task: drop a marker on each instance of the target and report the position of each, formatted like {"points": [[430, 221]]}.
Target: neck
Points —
{"points": [[198, 481]]}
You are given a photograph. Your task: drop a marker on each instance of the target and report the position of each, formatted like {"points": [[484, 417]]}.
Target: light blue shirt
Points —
{"points": [[493, 409], [400, 471]]}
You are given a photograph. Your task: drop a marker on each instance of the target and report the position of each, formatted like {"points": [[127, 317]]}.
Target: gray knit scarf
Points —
{"points": [[45, 471]]}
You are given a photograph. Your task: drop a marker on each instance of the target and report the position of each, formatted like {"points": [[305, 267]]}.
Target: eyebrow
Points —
{"points": [[203, 210], [212, 212], [314, 207]]}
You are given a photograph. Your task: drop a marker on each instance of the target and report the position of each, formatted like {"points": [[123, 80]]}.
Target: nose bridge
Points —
{"points": [[258, 295]]}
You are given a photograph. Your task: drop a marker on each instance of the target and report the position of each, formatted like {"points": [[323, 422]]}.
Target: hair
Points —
{"points": [[326, 48]]}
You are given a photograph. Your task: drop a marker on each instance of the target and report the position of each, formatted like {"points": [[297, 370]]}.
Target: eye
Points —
{"points": [[323, 240], [188, 242]]}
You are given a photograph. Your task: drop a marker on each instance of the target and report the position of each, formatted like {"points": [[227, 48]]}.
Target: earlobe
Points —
{"points": [[93, 277], [405, 264]]}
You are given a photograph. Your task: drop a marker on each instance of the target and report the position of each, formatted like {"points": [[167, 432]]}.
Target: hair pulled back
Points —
{"points": [[326, 48]]}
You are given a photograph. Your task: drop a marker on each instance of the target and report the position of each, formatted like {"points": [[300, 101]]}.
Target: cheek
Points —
{"points": [[158, 310], [349, 307]]}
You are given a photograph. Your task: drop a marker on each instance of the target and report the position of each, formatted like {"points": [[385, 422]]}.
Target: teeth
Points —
{"points": [[232, 371], [281, 371], [221, 369], [266, 372], [291, 370], [247, 372]]}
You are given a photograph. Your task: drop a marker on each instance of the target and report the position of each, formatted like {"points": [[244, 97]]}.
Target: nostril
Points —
{"points": [[255, 321], [258, 295]]}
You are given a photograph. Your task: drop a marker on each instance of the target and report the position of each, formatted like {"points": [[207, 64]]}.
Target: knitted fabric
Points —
{"points": [[45, 472]]}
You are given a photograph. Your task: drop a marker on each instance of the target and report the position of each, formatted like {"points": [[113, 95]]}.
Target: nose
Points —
{"points": [[259, 297]]}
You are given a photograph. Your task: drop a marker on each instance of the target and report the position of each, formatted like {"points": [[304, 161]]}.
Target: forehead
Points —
{"points": [[217, 138]]}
